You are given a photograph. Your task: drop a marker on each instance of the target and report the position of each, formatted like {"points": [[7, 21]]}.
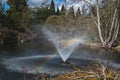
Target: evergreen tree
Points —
{"points": [[0, 7], [0, 10], [52, 8], [71, 13], [2, 16], [44, 12], [63, 11], [18, 16]]}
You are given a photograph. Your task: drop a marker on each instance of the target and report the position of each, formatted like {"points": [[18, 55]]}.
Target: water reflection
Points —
{"points": [[37, 61]]}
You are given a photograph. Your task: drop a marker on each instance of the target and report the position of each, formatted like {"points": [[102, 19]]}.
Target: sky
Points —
{"points": [[76, 4], [32, 3]]}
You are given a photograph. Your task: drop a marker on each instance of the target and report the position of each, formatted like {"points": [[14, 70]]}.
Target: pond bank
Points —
{"points": [[14, 37], [29, 54], [91, 73]]}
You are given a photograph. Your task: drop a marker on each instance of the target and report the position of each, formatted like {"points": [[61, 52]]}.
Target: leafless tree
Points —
{"points": [[111, 22]]}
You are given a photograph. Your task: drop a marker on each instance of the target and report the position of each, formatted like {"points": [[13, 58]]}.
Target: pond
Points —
{"points": [[40, 57]]}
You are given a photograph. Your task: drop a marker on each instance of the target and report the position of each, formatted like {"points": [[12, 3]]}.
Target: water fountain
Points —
{"points": [[65, 41]]}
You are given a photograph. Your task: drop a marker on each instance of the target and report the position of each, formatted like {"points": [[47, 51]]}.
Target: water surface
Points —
{"points": [[38, 57]]}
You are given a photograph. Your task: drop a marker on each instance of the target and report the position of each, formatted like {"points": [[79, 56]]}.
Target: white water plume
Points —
{"points": [[64, 42]]}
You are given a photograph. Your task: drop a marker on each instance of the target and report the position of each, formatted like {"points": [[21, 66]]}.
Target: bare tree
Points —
{"points": [[106, 23], [105, 16]]}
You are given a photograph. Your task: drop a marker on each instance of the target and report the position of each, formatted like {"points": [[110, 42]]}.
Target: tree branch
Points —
{"points": [[113, 22]]}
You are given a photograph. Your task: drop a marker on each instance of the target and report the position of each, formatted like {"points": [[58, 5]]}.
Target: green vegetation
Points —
{"points": [[43, 13], [17, 25], [2, 16], [18, 16], [22, 19]]}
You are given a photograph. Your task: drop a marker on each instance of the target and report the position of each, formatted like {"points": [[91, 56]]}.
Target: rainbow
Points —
{"points": [[20, 64]]}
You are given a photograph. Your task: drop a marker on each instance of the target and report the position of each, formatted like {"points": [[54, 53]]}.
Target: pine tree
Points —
{"points": [[44, 12], [2, 16], [63, 11], [52, 6], [0, 9], [18, 16], [71, 13]]}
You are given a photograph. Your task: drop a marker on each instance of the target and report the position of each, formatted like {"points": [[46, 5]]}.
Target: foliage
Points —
{"points": [[1, 14], [81, 25], [0, 8], [18, 16], [105, 17], [42, 13], [57, 20], [63, 11]]}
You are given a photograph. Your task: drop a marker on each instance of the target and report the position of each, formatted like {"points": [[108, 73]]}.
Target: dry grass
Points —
{"points": [[117, 48], [91, 73]]}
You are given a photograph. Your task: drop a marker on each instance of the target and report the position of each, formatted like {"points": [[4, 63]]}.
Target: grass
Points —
{"points": [[97, 72]]}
